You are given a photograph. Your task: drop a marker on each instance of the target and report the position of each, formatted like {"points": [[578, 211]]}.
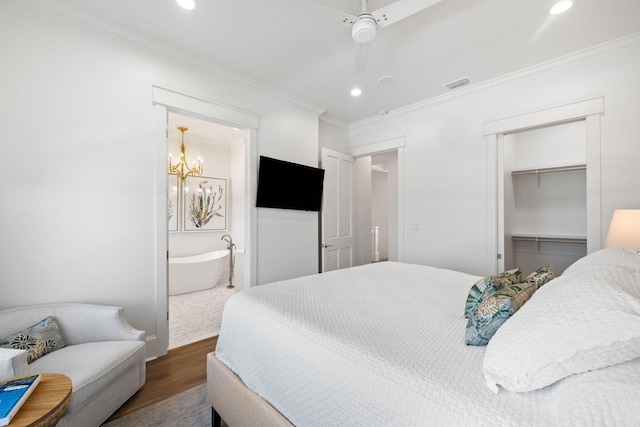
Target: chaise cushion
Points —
{"points": [[91, 366]]}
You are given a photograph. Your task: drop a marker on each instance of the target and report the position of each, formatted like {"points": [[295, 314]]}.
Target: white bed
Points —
{"points": [[383, 344]]}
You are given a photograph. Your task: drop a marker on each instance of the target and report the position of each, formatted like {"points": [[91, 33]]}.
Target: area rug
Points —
{"points": [[187, 409]]}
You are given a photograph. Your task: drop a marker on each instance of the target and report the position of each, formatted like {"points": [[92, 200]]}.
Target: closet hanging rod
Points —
{"points": [[549, 239], [551, 169]]}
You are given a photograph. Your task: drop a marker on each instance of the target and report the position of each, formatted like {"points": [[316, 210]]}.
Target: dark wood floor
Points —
{"points": [[181, 369]]}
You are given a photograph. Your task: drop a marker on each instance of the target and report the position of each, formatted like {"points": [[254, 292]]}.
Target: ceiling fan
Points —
{"points": [[365, 25]]}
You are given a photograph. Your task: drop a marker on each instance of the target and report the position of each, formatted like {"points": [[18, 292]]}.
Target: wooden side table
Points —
{"points": [[47, 404]]}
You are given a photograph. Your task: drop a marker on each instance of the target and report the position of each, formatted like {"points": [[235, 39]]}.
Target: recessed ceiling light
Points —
{"points": [[356, 91], [560, 7], [186, 4]]}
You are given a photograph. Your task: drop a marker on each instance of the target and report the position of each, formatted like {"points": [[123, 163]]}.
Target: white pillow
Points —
{"points": [[575, 323], [607, 256]]}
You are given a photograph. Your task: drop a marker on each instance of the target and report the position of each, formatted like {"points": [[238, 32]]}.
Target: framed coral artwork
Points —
{"points": [[204, 204], [173, 209]]}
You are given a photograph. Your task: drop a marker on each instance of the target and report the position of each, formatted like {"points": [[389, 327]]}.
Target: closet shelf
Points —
{"points": [[549, 169], [549, 239]]}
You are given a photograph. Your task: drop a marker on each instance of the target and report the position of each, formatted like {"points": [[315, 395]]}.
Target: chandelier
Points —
{"points": [[182, 168]]}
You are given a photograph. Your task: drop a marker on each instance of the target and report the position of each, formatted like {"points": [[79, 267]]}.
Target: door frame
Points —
{"points": [[392, 144], [165, 100]]}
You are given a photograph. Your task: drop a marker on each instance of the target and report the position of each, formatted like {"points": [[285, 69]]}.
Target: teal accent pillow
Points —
{"points": [[541, 276], [488, 285], [496, 309], [39, 339]]}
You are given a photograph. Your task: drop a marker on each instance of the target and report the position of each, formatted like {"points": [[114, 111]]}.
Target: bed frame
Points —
{"points": [[234, 402]]}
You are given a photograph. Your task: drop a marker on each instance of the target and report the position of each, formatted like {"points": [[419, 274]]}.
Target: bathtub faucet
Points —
{"points": [[228, 239], [232, 258]]}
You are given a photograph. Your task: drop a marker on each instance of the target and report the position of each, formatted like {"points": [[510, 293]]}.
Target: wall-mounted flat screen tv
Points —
{"points": [[287, 185]]}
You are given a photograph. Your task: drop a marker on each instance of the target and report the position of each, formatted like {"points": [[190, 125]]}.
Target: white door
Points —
{"points": [[337, 211]]}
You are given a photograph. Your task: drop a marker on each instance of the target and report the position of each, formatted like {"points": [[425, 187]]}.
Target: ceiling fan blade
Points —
{"points": [[361, 56], [342, 18], [401, 9]]}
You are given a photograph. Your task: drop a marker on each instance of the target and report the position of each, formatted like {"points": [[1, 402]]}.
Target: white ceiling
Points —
{"points": [[310, 55]]}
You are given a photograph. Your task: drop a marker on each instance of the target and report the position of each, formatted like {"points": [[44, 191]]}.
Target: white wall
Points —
{"points": [[78, 209], [333, 136], [288, 241], [445, 172]]}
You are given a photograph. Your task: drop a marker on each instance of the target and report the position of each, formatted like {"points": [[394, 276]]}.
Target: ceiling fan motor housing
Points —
{"points": [[364, 29]]}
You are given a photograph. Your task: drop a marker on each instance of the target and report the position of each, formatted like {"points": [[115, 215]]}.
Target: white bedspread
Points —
{"points": [[381, 344]]}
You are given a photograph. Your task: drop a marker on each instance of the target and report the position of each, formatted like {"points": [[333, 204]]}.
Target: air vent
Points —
{"points": [[457, 83]]}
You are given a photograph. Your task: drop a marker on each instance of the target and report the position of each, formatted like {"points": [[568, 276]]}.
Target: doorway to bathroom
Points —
{"points": [[206, 218], [167, 102]]}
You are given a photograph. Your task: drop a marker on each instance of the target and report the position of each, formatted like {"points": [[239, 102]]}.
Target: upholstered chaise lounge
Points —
{"points": [[103, 355]]}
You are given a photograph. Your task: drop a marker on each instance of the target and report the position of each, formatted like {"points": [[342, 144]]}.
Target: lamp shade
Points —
{"points": [[624, 231]]}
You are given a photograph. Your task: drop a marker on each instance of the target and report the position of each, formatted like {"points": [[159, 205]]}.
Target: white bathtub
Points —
{"points": [[196, 272]]}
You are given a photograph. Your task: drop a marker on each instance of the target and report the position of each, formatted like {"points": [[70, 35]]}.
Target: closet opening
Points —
{"points": [[545, 197]]}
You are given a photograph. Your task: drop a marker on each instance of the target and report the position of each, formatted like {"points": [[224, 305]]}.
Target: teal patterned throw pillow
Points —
{"points": [[488, 285], [494, 310], [39, 339], [540, 276]]}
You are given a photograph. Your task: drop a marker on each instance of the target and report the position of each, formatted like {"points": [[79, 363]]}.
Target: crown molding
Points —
{"points": [[590, 53], [334, 122], [96, 24], [112, 30]]}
